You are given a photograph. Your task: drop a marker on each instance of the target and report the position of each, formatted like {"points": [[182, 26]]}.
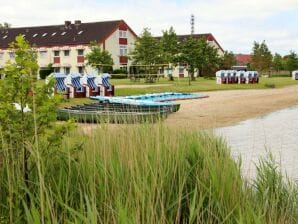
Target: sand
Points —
{"points": [[224, 108]]}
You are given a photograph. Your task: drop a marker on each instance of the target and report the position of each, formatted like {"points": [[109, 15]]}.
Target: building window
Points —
{"points": [[57, 69], [1, 55], [122, 34], [80, 52], [81, 69], [43, 54], [11, 55], [35, 35], [80, 32], [63, 33], [53, 34], [56, 53], [123, 50], [67, 70], [44, 34], [66, 53]]}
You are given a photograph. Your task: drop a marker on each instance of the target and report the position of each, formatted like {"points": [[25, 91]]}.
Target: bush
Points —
{"points": [[119, 76], [270, 85], [120, 71]]}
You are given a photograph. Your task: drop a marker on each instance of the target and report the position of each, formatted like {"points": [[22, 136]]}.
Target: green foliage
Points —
{"points": [[261, 57], [277, 62], [99, 58], [119, 76], [146, 50], [169, 46], [25, 135], [291, 61], [197, 54], [228, 60], [180, 176], [120, 71]]}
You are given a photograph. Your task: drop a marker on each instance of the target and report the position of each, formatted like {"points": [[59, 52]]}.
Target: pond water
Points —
{"points": [[276, 133]]}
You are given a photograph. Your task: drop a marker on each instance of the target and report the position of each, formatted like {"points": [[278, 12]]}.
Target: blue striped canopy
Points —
{"points": [[60, 85], [91, 83], [105, 81], [75, 81]]}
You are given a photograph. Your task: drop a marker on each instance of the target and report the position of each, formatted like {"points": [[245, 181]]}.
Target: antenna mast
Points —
{"points": [[192, 24]]}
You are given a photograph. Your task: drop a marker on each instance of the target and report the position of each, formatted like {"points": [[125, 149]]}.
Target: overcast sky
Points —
{"points": [[234, 23]]}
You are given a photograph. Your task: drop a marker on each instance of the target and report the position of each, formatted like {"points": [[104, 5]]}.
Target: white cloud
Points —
{"points": [[234, 23]]}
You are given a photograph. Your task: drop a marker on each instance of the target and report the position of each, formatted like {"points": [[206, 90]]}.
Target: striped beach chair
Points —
{"points": [[91, 84], [77, 90], [108, 88]]}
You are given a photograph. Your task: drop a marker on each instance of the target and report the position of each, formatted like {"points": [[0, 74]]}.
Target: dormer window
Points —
{"points": [[35, 35], [63, 33], [80, 32], [44, 34], [53, 34]]}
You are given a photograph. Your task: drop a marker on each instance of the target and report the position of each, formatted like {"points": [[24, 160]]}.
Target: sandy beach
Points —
{"points": [[223, 108]]}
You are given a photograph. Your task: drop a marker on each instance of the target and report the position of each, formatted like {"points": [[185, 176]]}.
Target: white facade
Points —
{"points": [[71, 58]]}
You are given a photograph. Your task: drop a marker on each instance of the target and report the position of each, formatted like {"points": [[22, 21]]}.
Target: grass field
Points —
{"points": [[200, 85], [142, 174]]}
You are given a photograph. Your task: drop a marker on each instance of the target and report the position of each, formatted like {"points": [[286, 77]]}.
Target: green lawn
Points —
{"points": [[181, 85], [200, 85]]}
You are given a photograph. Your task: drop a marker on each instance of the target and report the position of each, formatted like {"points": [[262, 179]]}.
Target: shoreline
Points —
{"points": [[225, 108]]}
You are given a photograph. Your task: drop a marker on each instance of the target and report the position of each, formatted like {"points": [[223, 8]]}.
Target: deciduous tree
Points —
{"points": [[291, 61], [99, 58], [227, 60], [146, 50], [277, 62], [27, 122], [261, 57]]}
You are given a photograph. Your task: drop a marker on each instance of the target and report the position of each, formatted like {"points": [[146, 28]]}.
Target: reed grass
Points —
{"points": [[142, 174]]}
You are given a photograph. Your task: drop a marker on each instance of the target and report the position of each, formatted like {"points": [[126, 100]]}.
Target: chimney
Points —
{"points": [[77, 22], [67, 23]]}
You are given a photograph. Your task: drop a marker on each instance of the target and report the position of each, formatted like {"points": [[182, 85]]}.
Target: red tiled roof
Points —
{"points": [[66, 34], [243, 59]]}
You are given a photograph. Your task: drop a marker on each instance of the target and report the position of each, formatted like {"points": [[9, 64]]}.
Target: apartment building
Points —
{"points": [[65, 46]]}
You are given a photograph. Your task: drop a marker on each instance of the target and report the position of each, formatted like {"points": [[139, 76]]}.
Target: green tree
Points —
{"points": [[146, 50], [210, 59], [291, 61], [227, 60], [99, 58], [261, 57], [190, 55], [169, 48], [198, 55], [27, 123], [277, 62]]}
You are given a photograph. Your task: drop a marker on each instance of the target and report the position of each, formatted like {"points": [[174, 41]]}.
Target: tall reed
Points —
{"points": [[143, 174]]}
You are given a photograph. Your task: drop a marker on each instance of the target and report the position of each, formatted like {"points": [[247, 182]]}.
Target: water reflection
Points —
{"points": [[276, 133]]}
